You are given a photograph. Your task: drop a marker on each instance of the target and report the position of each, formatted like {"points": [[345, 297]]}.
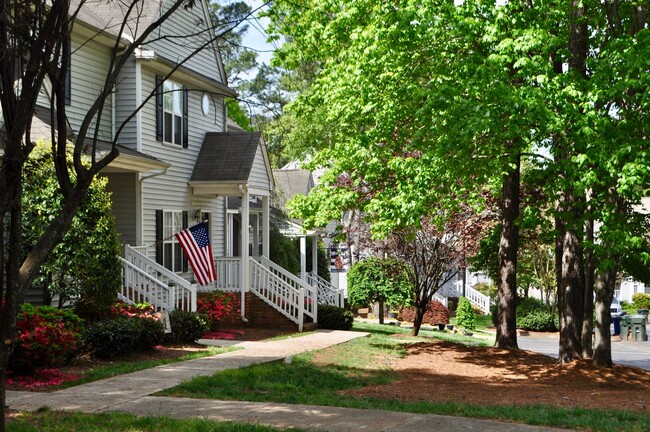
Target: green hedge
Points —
{"points": [[114, 337], [532, 314], [187, 327], [334, 318]]}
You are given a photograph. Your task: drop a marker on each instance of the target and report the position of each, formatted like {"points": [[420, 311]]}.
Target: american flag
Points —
{"points": [[196, 245]]}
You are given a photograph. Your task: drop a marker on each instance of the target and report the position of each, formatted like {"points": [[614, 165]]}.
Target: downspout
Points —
{"points": [[245, 276]]}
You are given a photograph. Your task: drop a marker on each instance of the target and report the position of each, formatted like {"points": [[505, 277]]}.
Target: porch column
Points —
{"points": [[314, 254], [266, 227], [244, 251], [303, 258]]}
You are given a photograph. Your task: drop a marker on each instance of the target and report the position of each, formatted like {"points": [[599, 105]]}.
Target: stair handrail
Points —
{"points": [[133, 289], [182, 291], [478, 299], [310, 303]]}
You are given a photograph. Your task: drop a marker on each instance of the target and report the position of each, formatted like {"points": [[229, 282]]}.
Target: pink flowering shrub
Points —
{"points": [[45, 337], [219, 307]]}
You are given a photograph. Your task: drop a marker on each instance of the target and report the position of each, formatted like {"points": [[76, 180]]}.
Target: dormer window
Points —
{"points": [[171, 112]]}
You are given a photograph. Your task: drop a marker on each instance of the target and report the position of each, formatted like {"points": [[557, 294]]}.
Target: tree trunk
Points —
{"points": [[381, 312], [14, 292], [588, 321], [604, 289], [570, 297], [419, 316], [508, 246], [571, 282]]}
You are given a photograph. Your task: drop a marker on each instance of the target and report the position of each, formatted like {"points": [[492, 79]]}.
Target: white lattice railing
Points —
{"points": [[285, 292], [328, 294], [144, 280]]}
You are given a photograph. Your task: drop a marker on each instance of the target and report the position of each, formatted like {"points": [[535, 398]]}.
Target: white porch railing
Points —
{"points": [[228, 273], [328, 294], [144, 280]]}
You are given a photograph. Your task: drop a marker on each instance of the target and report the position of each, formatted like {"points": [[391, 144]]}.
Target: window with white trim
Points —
{"points": [[171, 112]]}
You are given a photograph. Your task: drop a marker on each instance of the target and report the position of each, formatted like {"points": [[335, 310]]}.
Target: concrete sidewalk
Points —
{"points": [[131, 393]]}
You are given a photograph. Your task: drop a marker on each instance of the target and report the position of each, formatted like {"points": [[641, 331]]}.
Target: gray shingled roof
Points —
{"points": [[226, 157], [109, 15], [42, 128], [292, 182]]}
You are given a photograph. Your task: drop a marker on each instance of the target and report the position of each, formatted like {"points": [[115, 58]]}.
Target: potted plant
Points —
{"points": [[441, 326]]}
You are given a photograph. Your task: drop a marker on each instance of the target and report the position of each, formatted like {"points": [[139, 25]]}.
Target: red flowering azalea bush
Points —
{"points": [[436, 313], [219, 307], [45, 337]]}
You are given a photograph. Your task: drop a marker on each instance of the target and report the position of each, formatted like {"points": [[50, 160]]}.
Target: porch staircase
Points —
{"points": [[144, 280], [475, 297]]}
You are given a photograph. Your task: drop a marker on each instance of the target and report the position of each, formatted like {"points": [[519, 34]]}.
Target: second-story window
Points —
{"points": [[171, 112]]}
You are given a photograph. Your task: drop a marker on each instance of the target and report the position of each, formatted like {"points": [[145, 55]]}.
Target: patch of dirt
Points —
{"points": [[445, 372]]}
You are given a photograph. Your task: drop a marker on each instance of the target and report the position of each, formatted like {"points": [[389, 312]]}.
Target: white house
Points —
{"points": [[179, 163]]}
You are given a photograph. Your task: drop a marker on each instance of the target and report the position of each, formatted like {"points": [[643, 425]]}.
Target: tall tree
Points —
{"points": [[414, 105]]}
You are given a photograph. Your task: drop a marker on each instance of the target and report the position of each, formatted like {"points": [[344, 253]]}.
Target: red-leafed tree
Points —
{"points": [[436, 251]]}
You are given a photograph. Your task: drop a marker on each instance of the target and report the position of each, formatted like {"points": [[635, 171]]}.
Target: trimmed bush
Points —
{"points": [[187, 327], [436, 313], [111, 338], [45, 337], [334, 318], [465, 314], [537, 321]]}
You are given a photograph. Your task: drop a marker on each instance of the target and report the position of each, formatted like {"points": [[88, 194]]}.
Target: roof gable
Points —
{"points": [[226, 157]]}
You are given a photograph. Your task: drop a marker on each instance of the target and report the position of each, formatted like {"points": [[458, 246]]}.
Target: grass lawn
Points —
{"points": [[48, 421], [365, 361]]}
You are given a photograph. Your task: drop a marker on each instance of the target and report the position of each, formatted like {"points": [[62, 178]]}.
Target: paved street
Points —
{"points": [[626, 353]]}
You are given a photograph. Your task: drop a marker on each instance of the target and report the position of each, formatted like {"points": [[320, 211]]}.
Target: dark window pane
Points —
{"points": [[178, 262], [168, 127], [167, 262], [178, 129]]}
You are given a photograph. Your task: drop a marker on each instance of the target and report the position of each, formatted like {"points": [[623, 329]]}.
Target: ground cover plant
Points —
{"points": [[394, 371]]}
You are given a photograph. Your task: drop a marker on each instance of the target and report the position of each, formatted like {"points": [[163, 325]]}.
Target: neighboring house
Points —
{"points": [[290, 181], [179, 162]]}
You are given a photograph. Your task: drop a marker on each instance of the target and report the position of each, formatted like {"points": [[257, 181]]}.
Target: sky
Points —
{"points": [[256, 36]]}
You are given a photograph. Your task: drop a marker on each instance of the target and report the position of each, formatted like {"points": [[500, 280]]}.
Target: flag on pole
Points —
{"points": [[196, 245]]}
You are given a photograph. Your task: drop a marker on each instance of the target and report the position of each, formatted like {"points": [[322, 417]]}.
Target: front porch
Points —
{"points": [[296, 299]]}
